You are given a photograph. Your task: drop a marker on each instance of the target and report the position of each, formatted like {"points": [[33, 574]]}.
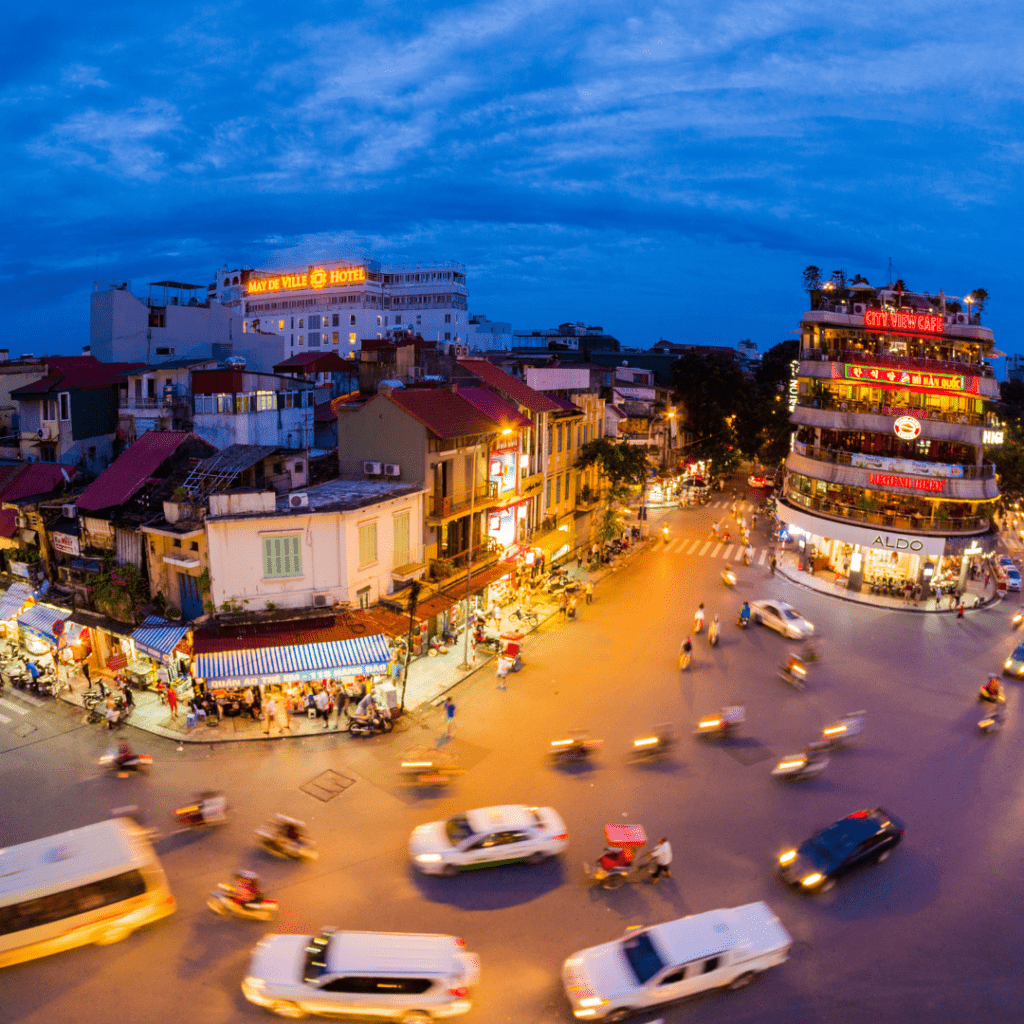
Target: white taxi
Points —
{"points": [[487, 837], [783, 618]]}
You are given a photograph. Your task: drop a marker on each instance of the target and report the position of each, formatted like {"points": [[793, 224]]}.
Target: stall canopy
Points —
{"points": [[39, 620], [293, 664], [158, 637], [11, 602]]}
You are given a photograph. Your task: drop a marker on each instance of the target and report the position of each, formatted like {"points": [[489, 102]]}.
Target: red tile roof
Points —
{"points": [[313, 362], [514, 388], [207, 640], [8, 522], [494, 406], [442, 412], [129, 472], [36, 478], [76, 373]]}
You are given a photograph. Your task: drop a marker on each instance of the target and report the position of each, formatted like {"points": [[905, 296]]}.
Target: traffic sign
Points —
{"points": [[58, 627]]}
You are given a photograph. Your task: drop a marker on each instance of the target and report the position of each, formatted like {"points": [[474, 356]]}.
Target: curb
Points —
{"points": [[892, 608]]}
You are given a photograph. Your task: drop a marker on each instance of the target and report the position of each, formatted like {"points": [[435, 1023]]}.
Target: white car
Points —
{"points": [[1013, 579], [486, 837], [783, 618], [381, 975], [674, 960]]}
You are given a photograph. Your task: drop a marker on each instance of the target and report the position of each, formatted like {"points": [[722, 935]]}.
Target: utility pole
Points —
{"points": [[414, 591]]}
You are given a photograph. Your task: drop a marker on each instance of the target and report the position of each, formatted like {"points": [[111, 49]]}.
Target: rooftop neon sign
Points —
{"points": [[902, 323], [317, 278]]}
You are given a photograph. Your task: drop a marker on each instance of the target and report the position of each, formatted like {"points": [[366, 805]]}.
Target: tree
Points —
{"points": [[712, 390], [812, 278], [838, 280], [979, 297], [1009, 460], [625, 465]]}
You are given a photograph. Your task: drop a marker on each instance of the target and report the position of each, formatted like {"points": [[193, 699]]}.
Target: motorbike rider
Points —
{"points": [[992, 691], [213, 808], [745, 613], [615, 858], [687, 647], [246, 890], [792, 663], [698, 620], [289, 832], [124, 754], [729, 574], [713, 631]]}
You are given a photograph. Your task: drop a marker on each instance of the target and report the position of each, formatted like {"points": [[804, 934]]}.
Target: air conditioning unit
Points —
{"points": [[859, 308], [22, 522], [373, 468], [321, 600], [392, 469], [44, 433], [961, 318], [69, 511], [299, 500]]}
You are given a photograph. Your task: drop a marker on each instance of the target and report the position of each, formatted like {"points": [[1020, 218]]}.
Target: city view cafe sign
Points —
{"points": [[875, 537], [316, 278], [902, 322]]}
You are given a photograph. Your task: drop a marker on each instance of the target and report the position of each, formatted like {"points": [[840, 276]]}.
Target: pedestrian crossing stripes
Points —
{"points": [[11, 706], [764, 551], [712, 549], [728, 552], [704, 549], [28, 697], [4, 720]]}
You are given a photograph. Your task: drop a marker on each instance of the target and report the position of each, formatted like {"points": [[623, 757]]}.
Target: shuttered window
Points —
{"points": [[401, 539], [282, 556], [368, 543]]}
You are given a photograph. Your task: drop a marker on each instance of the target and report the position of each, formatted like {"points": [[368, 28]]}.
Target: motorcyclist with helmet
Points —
{"points": [[246, 891], [992, 691], [744, 619]]}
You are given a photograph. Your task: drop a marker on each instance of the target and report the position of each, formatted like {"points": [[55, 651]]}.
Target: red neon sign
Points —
{"points": [[917, 483], [902, 323]]}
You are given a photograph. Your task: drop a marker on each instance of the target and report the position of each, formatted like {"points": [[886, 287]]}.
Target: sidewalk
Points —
{"points": [[429, 680], [975, 596]]}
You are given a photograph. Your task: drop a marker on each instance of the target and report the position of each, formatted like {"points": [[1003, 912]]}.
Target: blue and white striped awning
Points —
{"points": [[11, 602], [158, 637], [296, 664], [39, 620]]}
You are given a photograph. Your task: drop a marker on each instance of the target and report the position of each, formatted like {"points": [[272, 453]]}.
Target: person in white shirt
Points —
{"points": [[662, 857], [323, 704]]}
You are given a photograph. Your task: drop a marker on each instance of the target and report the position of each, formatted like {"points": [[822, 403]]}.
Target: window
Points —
{"points": [[65, 405], [352, 338], [551, 436], [280, 325], [385, 986], [674, 978], [398, 320], [447, 318], [176, 543], [49, 409], [282, 556], [334, 337], [363, 597], [352, 319], [559, 436], [447, 335], [401, 545], [298, 467], [368, 543], [378, 321], [314, 321], [335, 319], [548, 502], [300, 321], [193, 545], [558, 489]]}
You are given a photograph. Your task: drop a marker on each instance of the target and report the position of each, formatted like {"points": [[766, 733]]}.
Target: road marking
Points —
{"points": [[4, 720], [27, 697], [694, 547], [704, 549], [669, 548], [764, 551], [13, 707], [714, 554]]}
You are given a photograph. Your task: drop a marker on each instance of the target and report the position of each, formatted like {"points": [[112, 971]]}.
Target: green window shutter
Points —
{"points": [[401, 546]]}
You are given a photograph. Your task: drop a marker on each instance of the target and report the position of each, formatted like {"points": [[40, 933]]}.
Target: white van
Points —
{"points": [[674, 960], [93, 884], [387, 976]]}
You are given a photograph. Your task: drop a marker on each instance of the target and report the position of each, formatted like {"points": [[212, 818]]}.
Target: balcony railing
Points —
{"points": [[986, 471], [460, 502], [911, 521], [919, 362], [151, 402], [833, 405]]}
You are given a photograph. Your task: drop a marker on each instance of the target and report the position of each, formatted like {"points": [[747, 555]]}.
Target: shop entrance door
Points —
{"points": [[191, 598]]}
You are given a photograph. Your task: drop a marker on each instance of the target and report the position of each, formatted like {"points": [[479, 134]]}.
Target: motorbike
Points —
{"points": [[576, 748], [369, 725], [223, 902], [713, 633], [806, 765], [272, 840], [743, 621], [722, 725], [1017, 619], [425, 766], [134, 763], [847, 728], [16, 674], [793, 673], [664, 533], [999, 697], [698, 622], [729, 577], [994, 720], [655, 744], [208, 811], [527, 617], [619, 863], [685, 657], [487, 641]]}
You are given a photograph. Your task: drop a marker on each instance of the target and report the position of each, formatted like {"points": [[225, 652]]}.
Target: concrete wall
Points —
{"points": [[285, 428], [379, 431], [330, 555], [556, 378]]}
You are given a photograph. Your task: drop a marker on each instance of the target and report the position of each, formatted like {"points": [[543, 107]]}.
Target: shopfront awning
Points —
{"points": [[298, 663], [12, 602], [552, 543], [158, 637], [39, 619]]}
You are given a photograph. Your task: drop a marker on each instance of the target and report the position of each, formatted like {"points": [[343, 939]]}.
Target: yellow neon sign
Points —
{"points": [[317, 278]]}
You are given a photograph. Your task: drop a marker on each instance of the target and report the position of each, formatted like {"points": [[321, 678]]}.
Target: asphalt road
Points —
{"points": [[932, 934]]}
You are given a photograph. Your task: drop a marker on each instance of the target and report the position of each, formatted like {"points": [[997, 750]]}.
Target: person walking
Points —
{"points": [[579, 558], [589, 590], [172, 700], [960, 609], [449, 711], [563, 604], [323, 706], [571, 609], [917, 594], [773, 565], [269, 713], [661, 854], [985, 586]]}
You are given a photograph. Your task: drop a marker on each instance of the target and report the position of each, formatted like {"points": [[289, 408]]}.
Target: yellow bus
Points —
{"points": [[93, 884]]}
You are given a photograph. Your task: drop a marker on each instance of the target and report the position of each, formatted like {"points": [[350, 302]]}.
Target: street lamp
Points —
{"points": [[465, 666]]}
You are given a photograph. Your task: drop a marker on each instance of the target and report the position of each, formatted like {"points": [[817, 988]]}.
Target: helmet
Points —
{"points": [[249, 876]]}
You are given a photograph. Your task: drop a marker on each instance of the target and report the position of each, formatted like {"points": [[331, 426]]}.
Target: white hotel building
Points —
{"points": [[333, 305]]}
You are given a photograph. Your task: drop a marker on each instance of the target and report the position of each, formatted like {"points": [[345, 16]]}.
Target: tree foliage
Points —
{"points": [[624, 465], [812, 278], [712, 390]]}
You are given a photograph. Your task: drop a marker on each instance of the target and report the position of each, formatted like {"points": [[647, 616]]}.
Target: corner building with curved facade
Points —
{"points": [[887, 479]]}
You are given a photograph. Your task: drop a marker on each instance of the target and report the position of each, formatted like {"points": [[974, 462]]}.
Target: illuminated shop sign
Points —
{"points": [[886, 376], [916, 483], [907, 428], [794, 384], [902, 323], [994, 437], [317, 277], [885, 540]]}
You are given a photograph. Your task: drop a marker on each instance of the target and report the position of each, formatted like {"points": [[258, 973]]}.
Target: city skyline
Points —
{"points": [[666, 175]]}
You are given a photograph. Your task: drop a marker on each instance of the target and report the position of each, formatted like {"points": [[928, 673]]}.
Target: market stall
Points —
{"points": [[159, 652], [12, 603]]}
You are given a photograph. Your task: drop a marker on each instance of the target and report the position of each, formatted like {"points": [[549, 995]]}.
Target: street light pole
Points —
{"points": [[414, 595], [469, 558]]}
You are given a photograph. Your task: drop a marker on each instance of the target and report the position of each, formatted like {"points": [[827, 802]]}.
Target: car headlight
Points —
{"points": [[787, 857], [812, 879], [1008, 665], [252, 989], [593, 1001], [428, 858]]}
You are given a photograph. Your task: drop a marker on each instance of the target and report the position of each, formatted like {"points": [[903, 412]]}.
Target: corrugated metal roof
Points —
{"points": [[494, 406], [37, 478], [520, 393], [39, 619], [298, 662], [12, 601], [157, 637], [130, 470], [442, 412], [236, 458], [325, 629]]}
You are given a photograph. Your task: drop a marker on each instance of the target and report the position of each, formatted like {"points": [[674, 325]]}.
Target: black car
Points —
{"points": [[859, 838]]}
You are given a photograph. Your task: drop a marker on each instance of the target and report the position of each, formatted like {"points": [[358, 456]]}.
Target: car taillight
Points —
{"points": [[460, 942], [458, 993], [564, 835]]}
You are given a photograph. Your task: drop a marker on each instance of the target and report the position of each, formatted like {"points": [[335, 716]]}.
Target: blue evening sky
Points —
{"points": [[664, 170]]}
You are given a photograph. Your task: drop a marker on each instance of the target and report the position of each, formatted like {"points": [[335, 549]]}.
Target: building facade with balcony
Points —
{"points": [[158, 397], [886, 478]]}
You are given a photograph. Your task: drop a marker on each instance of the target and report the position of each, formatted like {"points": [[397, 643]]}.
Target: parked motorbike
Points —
{"points": [[16, 674], [223, 902], [285, 837], [994, 720], [722, 725], [527, 617], [655, 744], [487, 641], [808, 764], [848, 727], [372, 724], [573, 749]]}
